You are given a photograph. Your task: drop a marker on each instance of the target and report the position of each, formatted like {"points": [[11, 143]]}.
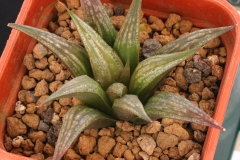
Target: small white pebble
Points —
{"points": [[19, 108], [17, 141], [55, 119]]}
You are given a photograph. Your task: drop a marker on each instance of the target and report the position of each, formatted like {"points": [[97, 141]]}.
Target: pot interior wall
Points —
{"points": [[203, 14]]}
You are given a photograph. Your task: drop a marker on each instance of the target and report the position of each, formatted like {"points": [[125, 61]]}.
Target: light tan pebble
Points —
{"points": [[55, 67], [202, 52], [22, 95], [165, 32], [200, 127], [222, 60], [213, 59], [194, 97], [16, 142], [147, 143], [105, 132], [157, 152], [55, 120], [217, 71], [63, 111], [28, 82], [61, 7], [222, 51], [126, 126], [15, 127], [63, 16], [76, 101], [104, 149], [194, 156], [58, 32], [34, 135], [66, 34], [79, 13], [165, 140], [94, 156], [54, 86], [29, 61], [163, 39], [170, 89], [153, 127], [164, 157], [128, 155], [196, 87], [119, 149], [177, 130], [73, 4], [41, 88], [48, 75], [171, 82], [143, 36], [171, 20], [31, 120], [184, 147], [127, 136], [117, 21], [86, 144], [173, 153], [65, 101], [121, 140], [71, 155], [35, 73], [20, 108], [39, 51], [56, 107], [206, 106], [213, 43], [63, 75], [48, 149], [37, 156], [157, 25], [144, 155], [41, 63], [38, 148], [185, 26], [207, 94]]}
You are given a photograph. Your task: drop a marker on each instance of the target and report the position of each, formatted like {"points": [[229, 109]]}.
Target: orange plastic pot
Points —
{"points": [[204, 13]]}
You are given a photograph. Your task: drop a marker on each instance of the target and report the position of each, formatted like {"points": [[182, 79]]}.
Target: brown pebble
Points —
{"points": [[15, 127], [86, 144], [31, 120], [104, 149]]}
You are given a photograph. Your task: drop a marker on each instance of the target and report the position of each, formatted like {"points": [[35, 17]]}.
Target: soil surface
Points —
{"points": [[32, 131]]}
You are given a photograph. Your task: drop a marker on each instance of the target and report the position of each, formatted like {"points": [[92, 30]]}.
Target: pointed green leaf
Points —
{"points": [[75, 121], [170, 105], [125, 75], [192, 40], [128, 107], [127, 43], [85, 89], [152, 70], [96, 16], [72, 55], [116, 90], [106, 64]]}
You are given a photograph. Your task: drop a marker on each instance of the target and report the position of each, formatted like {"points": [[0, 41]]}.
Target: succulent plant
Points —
{"points": [[108, 77]]}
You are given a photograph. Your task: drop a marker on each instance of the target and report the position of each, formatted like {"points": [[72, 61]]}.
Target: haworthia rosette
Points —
{"points": [[128, 107], [85, 89], [192, 40], [96, 16], [72, 55], [77, 119], [127, 43], [106, 65], [169, 105], [152, 70]]}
